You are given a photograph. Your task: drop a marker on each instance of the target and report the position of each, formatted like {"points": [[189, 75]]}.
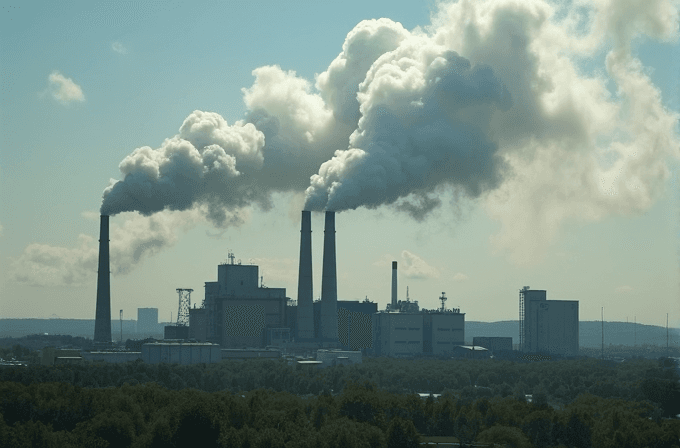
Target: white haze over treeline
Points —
{"points": [[486, 103]]}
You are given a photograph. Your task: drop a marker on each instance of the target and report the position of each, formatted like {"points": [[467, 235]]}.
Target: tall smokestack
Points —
{"points": [[305, 308], [102, 323], [393, 305], [329, 282]]}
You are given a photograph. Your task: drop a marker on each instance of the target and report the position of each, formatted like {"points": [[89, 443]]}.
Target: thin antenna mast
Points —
{"points": [[602, 333]]}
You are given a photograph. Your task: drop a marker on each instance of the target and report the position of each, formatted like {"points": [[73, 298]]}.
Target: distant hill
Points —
{"points": [[590, 332], [74, 327]]}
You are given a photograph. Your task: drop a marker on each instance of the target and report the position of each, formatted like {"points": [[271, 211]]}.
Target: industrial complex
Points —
{"points": [[239, 316]]}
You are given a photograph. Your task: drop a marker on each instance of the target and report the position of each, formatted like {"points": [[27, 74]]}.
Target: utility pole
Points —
{"points": [[121, 327], [602, 332]]}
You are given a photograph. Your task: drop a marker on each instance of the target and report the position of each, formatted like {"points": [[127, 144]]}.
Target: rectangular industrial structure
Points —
{"points": [[238, 312], [436, 333], [147, 322], [547, 326], [181, 353], [443, 332], [338, 357], [397, 334]]}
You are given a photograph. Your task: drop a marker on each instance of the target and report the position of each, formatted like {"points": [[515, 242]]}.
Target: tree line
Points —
{"points": [[363, 415]]}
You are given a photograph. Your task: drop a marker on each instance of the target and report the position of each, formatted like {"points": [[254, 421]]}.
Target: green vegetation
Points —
{"points": [[584, 403]]}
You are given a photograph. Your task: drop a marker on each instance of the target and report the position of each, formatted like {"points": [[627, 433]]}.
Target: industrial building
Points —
{"points": [[239, 313], [436, 333], [470, 352], [50, 356], [234, 354], [547, 326], [397, 334], [147, 322], [354, 324], [331, 358], [181, 353], [111, 356], [404, 330], [495, 344]]}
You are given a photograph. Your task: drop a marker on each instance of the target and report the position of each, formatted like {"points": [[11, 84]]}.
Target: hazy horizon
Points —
{"points": [[483, 145]]}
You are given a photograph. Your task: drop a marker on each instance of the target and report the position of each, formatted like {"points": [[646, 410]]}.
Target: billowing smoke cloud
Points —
{"points": [[288, 132], [199, 166], [136, 239], [488, 102], [413, 134], [491, 102], [414, 266]]}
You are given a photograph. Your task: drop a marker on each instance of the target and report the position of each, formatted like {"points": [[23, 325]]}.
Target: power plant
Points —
{"points": [[238, 314]]}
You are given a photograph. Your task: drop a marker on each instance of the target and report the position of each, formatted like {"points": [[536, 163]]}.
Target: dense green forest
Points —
{"points": [[575, 403]]}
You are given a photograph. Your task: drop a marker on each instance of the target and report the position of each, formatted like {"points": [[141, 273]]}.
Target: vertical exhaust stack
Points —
{"points": [[329, 283], [393, 304], [102, 323], [305, 309]]}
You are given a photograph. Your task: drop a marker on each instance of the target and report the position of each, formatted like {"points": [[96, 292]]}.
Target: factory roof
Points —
{"points": [[203, 344], [473, 347]]}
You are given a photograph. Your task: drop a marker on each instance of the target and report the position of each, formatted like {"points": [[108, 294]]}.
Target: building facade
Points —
{"points": [[442, 332], [147, 322], [548, 326], [355, 325], [397, 334], [181, 353], [238, 312]]}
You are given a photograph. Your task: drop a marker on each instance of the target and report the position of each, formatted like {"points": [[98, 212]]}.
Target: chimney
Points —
{"points": [[329, 283], [305, 310], [102, 323], [393, 305]]}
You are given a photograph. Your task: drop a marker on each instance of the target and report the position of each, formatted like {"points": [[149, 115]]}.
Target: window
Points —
{"points": [[414, 329], [414, 342], [400, 328]]}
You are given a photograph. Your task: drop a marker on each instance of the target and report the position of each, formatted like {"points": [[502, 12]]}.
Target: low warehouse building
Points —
{"points": [[181, 353], [338, 357], [116, 357], [234, 353], [471, 352]]}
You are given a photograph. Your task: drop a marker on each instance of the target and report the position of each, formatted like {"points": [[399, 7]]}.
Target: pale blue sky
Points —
{"points": [[143, 68]]}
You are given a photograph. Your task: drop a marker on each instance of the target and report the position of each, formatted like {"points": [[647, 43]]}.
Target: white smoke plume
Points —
{"points": [[137, 238], [200, 166], [414, 266], [288, 132], [488, 102]]}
